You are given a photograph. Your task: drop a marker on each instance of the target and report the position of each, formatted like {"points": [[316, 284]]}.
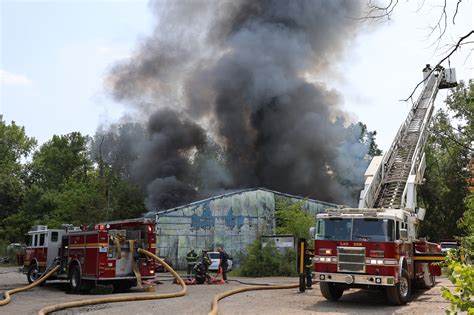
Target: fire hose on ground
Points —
{"points": [[220, 296], [127, 298], [8, 293]]}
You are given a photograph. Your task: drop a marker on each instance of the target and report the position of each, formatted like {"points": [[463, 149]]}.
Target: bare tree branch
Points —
{"points": [[458, 44], [377, 12], [456, 12]]}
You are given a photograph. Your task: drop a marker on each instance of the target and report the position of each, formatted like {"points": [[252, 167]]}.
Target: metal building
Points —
{"points": [[232, 220]]}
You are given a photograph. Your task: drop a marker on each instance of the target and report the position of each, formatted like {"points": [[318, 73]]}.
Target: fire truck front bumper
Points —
{"points": [[349, 279]]}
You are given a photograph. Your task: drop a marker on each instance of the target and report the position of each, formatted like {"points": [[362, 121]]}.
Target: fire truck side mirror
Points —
{"points": [[420, 213], [404, 234], [312, 232]]}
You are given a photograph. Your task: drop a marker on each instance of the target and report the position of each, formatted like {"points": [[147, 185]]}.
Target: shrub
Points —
{"points": [[461, 274], [266, 261]]}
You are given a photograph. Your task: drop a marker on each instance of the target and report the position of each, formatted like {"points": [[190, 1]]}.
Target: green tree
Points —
{"points": [[447, 156], [60, 159], [14, 145], [292, 219]]}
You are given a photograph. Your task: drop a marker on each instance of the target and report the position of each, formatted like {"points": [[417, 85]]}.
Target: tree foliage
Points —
{"points": [[260, 261], [461, 274], [14, 145], [292, 219], [59, 183], [448, 153]]}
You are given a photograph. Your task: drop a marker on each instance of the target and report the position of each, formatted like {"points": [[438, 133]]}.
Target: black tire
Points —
{"points": [[33, 273], [123, 286], [330, 291], [75, 279], [400, 293]]}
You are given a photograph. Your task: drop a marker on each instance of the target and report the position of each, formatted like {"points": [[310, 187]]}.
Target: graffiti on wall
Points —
{"points": [[231, 220], [206, 221]]}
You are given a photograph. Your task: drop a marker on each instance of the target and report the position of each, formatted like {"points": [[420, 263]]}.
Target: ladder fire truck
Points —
{"points": [[375, 246], [105, 254]]}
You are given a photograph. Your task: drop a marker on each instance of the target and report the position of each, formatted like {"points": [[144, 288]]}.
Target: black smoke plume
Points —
{"points": [[247, 78]]}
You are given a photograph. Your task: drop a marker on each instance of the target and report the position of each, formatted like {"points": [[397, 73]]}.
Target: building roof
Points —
{"points": [[236, 192]]}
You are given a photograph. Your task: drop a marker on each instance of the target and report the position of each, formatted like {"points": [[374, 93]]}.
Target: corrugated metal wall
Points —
{"points": [[231, 220]]}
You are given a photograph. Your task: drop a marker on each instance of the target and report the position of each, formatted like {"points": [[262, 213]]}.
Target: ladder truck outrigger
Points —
{"points": [[375, 246]]}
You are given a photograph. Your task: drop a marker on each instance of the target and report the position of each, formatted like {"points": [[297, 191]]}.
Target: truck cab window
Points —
{"points": [[35, 239], [54, 236], [41, 239], [397, 230]]}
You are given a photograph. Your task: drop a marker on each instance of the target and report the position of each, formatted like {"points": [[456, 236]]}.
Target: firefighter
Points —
{"points": [[201, 270], [191, 258], [308, 265], [206, 260]]}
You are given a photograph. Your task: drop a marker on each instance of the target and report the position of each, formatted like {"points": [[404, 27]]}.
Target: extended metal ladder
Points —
{"points": [[402, 157], [391, 180]]}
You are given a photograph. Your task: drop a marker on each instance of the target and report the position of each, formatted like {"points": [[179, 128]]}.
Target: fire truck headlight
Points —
{"points": [[392, 262], [379, 261], [373, 261], [325, 251], [334, 259]]}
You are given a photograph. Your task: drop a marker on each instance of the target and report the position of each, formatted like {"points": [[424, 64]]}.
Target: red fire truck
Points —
{"points": [[105, 254], [375, 245]]}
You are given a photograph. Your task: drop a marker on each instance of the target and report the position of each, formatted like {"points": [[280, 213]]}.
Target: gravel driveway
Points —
{"points": [[199, 298]]}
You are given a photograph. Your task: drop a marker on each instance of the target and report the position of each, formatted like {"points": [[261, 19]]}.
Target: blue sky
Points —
{"points": [[55, 54]]}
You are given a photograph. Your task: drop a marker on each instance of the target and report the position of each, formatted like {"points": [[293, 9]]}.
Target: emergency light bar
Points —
{"points": [[370, 211]]}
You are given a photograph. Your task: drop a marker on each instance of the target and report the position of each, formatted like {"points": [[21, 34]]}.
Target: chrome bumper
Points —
{"points": [[349, 279]]}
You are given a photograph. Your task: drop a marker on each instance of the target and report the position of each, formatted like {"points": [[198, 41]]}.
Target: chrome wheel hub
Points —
{"points": [[403, 287]]}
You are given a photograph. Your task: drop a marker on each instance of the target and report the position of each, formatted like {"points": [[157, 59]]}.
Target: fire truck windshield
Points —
{"points": [[363, 229]]}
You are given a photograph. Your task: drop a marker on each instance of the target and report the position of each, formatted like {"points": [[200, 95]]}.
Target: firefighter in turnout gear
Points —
{"points": [[191, 259]]}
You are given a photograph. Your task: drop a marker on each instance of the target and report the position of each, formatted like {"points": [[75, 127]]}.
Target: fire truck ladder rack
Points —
{"points": [[393, 183]]}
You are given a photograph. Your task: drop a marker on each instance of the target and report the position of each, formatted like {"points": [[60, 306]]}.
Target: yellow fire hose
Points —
{"points": [[223, 295], [127, 298], [33, 284]]}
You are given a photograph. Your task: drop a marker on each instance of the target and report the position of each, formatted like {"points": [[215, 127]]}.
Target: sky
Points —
{"points": [[54, 56]]}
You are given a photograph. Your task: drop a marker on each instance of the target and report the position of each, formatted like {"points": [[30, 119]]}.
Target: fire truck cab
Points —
{"points": [[43, 247], [372, 249], [104, 254]]}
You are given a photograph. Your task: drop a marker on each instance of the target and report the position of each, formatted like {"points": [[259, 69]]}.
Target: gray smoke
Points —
{"points": [[246, 77]]}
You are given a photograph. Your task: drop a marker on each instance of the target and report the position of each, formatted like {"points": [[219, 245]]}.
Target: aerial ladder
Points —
{"points": [[391, 179], [376, 244]]}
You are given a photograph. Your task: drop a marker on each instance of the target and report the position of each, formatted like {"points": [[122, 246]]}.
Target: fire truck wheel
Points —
{"points": [[400, 293], [33, 273], [75, 280], [330, 291]]}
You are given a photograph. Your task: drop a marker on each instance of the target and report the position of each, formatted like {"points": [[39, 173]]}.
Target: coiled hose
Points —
{"points": [[127, 298], [8, 293], [220, 296]]}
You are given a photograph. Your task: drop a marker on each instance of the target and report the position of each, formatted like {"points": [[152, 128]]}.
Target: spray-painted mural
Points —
{"points": [[232, 220]]}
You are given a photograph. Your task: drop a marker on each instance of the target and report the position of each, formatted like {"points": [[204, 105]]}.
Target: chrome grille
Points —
{"points": [[351, 259]]}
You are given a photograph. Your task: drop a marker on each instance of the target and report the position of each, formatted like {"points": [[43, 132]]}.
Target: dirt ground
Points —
{"points": [[198, 299]]}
